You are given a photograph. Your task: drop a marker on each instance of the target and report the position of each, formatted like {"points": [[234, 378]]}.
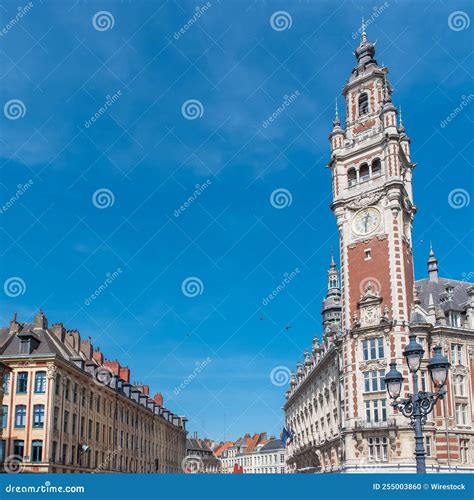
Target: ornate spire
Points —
{"points": [[365, 52], [432, 265], [336, 121], [401, 128], [363, 37], [333, 275]]}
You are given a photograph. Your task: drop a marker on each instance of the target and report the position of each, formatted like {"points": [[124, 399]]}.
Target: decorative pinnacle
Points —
{"points": [[362, 28], [401, 127], [336, 121], [431, 250]]}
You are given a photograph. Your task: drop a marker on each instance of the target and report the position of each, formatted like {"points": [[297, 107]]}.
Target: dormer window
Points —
{"points": [[25, 346], [454, 319], [363, 104]]}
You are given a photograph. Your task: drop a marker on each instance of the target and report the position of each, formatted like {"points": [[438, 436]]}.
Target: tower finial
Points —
{"points": [[336, 121], [362, 28], [401, 128], [432, 265]]}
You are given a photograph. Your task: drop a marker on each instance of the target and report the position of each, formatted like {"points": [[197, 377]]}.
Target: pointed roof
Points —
{"points": [[432, 265], [365, 52]]}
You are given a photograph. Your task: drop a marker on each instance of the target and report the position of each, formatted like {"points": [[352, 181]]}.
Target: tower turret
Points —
{"points": [[337, 133], [331, 311], [432, 266]]}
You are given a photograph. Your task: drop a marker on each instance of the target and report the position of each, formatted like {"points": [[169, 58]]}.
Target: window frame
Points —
{"points": [[38, 416], [40, 382], [20, 415], [363, 106], [37, 444], [22, 383]]}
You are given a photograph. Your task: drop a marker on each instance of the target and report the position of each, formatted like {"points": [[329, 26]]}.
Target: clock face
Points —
{"points": [[366, 221]]}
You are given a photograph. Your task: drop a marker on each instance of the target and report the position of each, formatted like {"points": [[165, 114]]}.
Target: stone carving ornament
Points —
{"points": [[365, 200], [51, 371]]}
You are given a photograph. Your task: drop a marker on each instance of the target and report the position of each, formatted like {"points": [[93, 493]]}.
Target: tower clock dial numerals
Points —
{"points": [[366, 221]]}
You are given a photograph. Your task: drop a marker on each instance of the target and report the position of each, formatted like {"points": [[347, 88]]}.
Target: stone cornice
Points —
{"points": [[322, 362]]}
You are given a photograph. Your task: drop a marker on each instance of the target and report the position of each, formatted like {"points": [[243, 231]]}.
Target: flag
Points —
{"points": [[287, 436]]}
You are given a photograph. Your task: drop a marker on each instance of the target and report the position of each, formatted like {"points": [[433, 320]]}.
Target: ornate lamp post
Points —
{"points": [[418, 405]]}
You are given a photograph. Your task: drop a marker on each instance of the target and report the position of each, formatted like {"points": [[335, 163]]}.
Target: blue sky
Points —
{"points": [[150, 157]]}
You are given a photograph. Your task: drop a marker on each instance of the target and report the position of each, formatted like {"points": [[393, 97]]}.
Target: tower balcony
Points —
{"points": [[362, 424]]}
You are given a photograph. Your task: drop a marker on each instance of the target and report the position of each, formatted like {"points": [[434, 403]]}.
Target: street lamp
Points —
{"points": [[418, 405]]}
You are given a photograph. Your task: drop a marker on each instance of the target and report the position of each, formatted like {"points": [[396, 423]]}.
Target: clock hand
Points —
{"points": [[366, 221]]}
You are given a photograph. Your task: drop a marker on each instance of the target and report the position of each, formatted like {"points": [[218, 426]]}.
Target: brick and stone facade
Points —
{"points": [[337, 405], [67, 409]]}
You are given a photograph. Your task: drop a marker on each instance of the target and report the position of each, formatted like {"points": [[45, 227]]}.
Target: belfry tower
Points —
{"points": [[374, 209]]}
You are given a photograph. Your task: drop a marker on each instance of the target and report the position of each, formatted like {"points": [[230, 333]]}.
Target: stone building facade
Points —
{"points": [[267, 458], [337, 406], [252, 455], [67, 409], [200, 458]]}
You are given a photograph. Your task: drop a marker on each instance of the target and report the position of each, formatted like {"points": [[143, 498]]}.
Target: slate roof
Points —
{"points": [[66, 344], [273, 444], [197, 445], [47, 344], [455, 300]]}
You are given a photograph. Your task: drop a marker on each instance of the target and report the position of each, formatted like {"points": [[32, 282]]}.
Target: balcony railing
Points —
{"points": [[363, 424]]}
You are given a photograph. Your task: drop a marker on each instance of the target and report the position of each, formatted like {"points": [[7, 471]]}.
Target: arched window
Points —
{"points": [[351, 177], [364, 174], [376, 167], [363, 104]]}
